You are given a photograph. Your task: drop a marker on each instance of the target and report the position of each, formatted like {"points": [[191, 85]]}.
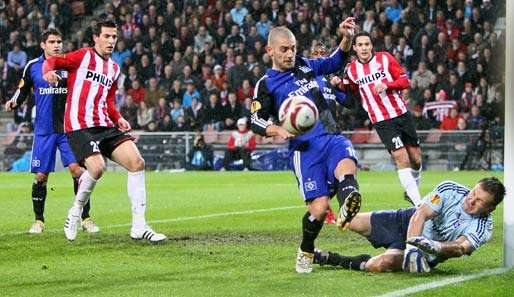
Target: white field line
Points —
{"points": [[180, 219], [446, 282]]}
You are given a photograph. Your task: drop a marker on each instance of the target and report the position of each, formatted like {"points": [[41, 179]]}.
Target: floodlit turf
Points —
{"points": [[231, 234]]}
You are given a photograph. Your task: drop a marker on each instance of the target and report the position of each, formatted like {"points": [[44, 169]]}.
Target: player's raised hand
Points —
{"points": [[10, 105], [347, 27], [123, 125], [52, 78]]}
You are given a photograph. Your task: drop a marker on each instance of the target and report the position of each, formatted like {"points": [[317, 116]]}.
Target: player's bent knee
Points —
{"points": [[379, 264], [318, 208], [137, 164], [401, 158], [41, 177]]}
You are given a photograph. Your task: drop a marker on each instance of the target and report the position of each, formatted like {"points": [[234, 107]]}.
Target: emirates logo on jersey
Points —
{"points": [[371, 78], [99, 78]]}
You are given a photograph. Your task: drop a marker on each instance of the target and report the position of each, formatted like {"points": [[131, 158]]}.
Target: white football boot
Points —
{"points": [[37, 228], [71, 225], [89, 226], [148, 234], [304, 261]]}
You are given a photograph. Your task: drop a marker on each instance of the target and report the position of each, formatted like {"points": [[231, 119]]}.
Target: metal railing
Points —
{"points": [[470, 149]]}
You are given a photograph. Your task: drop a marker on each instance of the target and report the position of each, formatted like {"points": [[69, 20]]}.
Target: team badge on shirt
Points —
{"points": [[435, 199], [256, 105]]}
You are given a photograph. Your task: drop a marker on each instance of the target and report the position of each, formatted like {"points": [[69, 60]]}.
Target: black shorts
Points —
{"points": [[89, 141], [389, 228], [398, 132]]}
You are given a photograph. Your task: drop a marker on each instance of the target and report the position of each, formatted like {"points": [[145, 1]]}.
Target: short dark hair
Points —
{"points": [[362, 33], [493, 186], [46, 33], [103, 23]]}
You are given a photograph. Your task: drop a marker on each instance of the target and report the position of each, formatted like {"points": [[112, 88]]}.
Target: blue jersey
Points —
{"points": [[451, 221], [305, 79], [50, 100]]}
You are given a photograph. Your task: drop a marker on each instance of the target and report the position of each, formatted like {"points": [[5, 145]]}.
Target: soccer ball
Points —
{"points": [[297, 115]]}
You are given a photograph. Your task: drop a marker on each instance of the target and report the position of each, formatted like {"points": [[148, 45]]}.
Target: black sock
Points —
{"points": [[345, 187], [337, 260], [87, 206], [38, 199], [310, 227]]}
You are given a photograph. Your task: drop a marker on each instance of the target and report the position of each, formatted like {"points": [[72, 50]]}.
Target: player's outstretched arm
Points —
{"points": [[24, 88], [334, 62], [450, 249]]}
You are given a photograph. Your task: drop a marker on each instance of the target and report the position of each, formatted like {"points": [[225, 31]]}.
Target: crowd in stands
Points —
{"points": [[192, 65]]}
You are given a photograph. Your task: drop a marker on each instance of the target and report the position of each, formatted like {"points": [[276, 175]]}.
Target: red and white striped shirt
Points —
{"points": [[92, 84], [384, 68]]}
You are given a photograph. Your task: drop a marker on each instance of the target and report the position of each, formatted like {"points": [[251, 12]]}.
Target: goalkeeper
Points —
{"points": [[452, 221]]}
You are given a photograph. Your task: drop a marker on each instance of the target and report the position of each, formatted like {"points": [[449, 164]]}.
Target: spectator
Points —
{"points": [[245, 91], [231, 112], [240, 146], [16, 59], [422, 76], [189, 94], [161, 110], [393, 11], [195, 114], [166, 124], [201, 156], [181, 124], [219, 78], [144, 115], [264, 25], [154, 93], [213, 114], [475, 120], [450, 121], [238, 13], [201, 39], [237, 73], [137, 92], [122, 53], [176, 111], [129, 111]]}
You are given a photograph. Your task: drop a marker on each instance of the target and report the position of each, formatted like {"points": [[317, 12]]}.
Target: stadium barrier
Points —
{"points": [[442, 150]]}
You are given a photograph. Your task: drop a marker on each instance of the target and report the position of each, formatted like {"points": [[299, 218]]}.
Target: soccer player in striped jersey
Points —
{"points": [[48, 129], [451, 221], [379, 78], [96, 129]]}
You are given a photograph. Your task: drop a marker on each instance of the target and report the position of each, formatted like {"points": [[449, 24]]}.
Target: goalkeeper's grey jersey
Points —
{"points": [[451, 221]]}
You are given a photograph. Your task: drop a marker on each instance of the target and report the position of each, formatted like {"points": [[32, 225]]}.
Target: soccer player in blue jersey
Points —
{"points": [[323, 160], [451, 221], [48, 129]]}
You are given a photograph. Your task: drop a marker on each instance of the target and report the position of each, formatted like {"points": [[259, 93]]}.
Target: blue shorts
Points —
{"points": [[314, 164], [389, 228], [43, 152]]}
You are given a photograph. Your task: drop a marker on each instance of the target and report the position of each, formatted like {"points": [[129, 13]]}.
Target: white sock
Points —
{"points": [[409, 184], [417, 175], [86, 186], [137, 194]]}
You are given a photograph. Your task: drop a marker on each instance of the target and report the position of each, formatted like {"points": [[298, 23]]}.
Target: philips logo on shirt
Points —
{"points": [[305, 86], [371, 78], [99, 78], [53, 91]]}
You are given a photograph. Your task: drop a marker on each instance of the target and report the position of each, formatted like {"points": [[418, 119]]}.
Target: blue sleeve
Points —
{"points": [[479, 231], [327, 65], [340, 97]]}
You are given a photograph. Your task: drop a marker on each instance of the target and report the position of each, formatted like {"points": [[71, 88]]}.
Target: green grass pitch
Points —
{"points": [[231, 234]]}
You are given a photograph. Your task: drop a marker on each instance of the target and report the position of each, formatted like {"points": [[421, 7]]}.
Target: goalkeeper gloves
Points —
{"points": [[414, 261], [427, 245]]}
